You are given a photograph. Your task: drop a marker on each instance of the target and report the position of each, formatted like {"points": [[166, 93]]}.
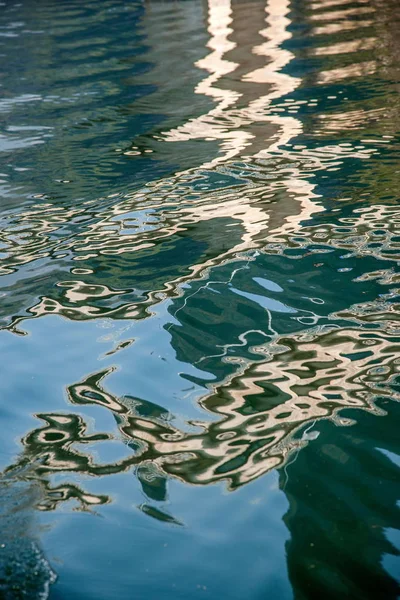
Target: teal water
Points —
{"points": [[199, 303]]}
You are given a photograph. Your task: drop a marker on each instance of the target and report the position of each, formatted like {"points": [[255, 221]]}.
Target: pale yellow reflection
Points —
{"points": [[167, 207], [219, 19], [245, 205], [353, 119], [346, 47], [316, 375], [329, 3], [360, 69], [340, 27], [235, 127], [341, 14]]}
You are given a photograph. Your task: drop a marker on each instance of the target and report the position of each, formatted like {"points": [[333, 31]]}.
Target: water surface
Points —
{"points": [[200, 246]]}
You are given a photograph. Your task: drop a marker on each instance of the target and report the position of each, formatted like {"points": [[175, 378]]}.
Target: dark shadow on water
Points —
{"points": [[343, 493], [25, 573]]}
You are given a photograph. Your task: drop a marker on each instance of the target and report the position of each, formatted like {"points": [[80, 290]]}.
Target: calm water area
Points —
{"points": [[199, 299]]}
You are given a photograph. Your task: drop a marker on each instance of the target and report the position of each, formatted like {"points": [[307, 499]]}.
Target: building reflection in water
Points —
{"points": [[282, 377]]}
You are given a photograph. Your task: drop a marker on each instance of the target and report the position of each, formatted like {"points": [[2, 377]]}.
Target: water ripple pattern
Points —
{"points": [[199, 268]]}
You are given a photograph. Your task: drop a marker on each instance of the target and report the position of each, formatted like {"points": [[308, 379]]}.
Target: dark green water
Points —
{"points": [[199, 305]]}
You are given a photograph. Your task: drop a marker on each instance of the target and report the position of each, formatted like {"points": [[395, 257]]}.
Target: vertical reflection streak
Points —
{"points": [[237, 127], [219, 19]]}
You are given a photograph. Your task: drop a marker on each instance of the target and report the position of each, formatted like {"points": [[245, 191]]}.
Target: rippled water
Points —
{"points": [[200, 246]]}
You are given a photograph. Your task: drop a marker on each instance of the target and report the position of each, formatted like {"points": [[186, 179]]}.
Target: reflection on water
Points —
{"points": [[214, 188]]}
